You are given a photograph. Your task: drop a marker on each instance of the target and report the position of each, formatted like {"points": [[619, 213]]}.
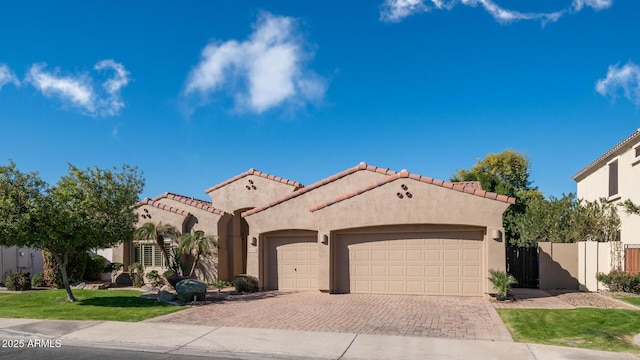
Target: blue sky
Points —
{"points": [[196, 92]]}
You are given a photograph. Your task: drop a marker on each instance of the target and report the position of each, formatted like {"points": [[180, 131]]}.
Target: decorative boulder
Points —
{"points": [[165, 296], [189, 288], [175, 279], [147, 288], [78, 285], [124, 279]]}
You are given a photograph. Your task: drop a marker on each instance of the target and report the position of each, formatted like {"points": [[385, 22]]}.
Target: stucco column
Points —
{"points": [[237, 244], [324, 261], [495, 252], [253, 259]]}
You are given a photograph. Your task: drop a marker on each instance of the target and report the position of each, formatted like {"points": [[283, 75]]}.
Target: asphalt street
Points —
{"points": [[78, 353]]}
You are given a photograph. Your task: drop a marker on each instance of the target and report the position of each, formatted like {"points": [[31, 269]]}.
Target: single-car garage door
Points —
{"points": [[439, 263], [292, 262]]}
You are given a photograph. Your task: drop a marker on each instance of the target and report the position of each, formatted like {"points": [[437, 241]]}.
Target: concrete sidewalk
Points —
{"points": [[251, 343]]}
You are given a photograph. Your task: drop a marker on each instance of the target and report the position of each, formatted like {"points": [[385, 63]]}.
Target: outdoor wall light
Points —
{"points": [[325, 239], [496, 235], [254, 241], [21, 253]]}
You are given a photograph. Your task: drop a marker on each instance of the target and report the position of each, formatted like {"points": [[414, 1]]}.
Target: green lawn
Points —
{"points": [[589, 328], [633, 300], [115, 305]]}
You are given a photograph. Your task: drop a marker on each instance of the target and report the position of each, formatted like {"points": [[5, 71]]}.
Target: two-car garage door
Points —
{"points": [[381, 260], [395, 262]]}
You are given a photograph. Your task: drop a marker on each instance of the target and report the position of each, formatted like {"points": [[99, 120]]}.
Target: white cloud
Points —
{"points": [[625, 78], [397, 10], [75, 90], [112, 103], [7, 76], [78, 91], [595, 4], [264, 71]]}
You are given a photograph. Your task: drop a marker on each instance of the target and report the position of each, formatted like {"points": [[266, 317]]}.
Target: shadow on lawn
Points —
{"points": [[121, 301]]}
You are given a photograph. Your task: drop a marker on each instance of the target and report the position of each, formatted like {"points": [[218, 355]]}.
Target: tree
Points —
{"points": [[198, 244], [87, 209], [630, 208], [157, 232], [505, 173], [568, 220]]}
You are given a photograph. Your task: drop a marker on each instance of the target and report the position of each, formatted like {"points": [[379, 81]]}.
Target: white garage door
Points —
{"points": [[410, 263], [292, 263]]}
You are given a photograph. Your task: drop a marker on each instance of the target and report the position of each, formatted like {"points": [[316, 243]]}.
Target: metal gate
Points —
{"points": [[522, 264]]}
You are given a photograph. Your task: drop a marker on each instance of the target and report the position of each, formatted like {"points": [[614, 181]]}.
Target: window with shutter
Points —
{"points": [[613, 178], [147, 252]]}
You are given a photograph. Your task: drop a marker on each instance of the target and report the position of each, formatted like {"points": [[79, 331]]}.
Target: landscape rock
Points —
{"points": [[167, 288], [166, 296], [98, 286], [189, 288], [123, 279], [147, 288], [78, 285]]}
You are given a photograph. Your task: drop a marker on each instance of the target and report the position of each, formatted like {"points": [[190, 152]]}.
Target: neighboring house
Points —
{"points": [[14, 259], [363, 230], [615, 176]]}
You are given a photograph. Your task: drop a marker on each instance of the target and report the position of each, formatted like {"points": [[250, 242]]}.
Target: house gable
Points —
{"points": [[625, 145], [250, 189], [291, 211], [155, 212], [407, 198]]}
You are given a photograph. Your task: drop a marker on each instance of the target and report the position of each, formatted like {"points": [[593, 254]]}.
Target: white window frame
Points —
{"points": [[155, 259]]}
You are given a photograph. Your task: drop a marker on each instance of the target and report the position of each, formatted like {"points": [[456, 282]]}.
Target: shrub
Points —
{"points": [[154, 278], [95, 266], [245, 283], [220, 284], [502, 282], [111, 267], [19, 281], [38, 280], [620, 281], [168, 273], [136, 270], [75, 268]]}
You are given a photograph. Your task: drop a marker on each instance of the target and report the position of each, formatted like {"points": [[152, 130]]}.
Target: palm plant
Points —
{"points": [[157, 233], [502, 282], [198, 244]]}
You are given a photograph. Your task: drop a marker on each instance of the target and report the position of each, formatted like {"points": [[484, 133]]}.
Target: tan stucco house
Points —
{"points": [[364, 230], [615, 176]]}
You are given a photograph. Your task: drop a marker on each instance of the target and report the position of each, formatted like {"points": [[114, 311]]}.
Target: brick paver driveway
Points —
{"points": [[472, 318]]}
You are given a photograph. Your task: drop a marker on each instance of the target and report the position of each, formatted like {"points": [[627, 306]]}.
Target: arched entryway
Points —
{"points": [[232, 255]]}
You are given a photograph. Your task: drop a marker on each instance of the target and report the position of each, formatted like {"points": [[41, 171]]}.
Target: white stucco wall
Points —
{"points": [[594, 184]]}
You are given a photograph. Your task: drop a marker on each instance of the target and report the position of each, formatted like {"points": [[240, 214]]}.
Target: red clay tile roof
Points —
{"points": [[611, 151], [470, 184], [164, 207], [255, 172], [361, 166], [189, 201], [472, 190]]}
